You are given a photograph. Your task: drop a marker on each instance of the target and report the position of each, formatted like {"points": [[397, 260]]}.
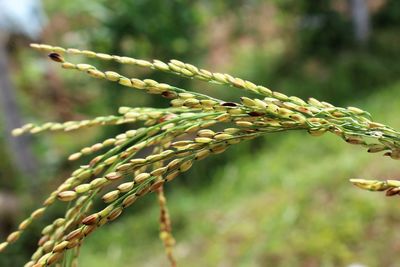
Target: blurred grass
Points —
{"points": [[290, 204]]}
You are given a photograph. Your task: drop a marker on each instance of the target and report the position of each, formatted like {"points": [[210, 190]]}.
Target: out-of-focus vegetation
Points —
{"points": [[282, 201]]}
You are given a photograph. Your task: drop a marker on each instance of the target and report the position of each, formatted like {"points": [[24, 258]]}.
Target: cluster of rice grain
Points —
{"points": [[179, 136]]}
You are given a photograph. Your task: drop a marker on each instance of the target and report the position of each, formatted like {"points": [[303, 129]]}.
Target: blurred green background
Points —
{"points": [[283, 200]]}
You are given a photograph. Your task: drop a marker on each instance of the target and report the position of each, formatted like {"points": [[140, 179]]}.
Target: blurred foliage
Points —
{"points": [[320, 57]]}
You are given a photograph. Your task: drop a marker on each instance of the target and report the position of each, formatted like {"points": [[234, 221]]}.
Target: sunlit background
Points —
{"points": [[282, 200]]}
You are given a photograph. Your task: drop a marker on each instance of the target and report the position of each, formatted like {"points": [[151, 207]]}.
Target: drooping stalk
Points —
{"points": [[179, 136]]}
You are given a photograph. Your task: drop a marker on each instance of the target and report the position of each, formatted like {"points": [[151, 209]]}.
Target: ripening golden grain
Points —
{"points": [[192, 128]]}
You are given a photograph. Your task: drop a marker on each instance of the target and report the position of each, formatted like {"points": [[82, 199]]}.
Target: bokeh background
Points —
{"points": [[282, 200]]}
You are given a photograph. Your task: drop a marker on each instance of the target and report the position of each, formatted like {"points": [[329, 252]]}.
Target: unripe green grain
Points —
{"points": [[98, 182], [83, 188]]}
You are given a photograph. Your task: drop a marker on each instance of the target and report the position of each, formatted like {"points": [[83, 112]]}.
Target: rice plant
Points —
{"points": [[178, 136]]}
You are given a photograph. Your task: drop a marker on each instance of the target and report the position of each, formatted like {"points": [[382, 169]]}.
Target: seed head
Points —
{"points": [[141, 177], [129, 200], [111, 196], [56, 57], [114, 214], [67, 195]]}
